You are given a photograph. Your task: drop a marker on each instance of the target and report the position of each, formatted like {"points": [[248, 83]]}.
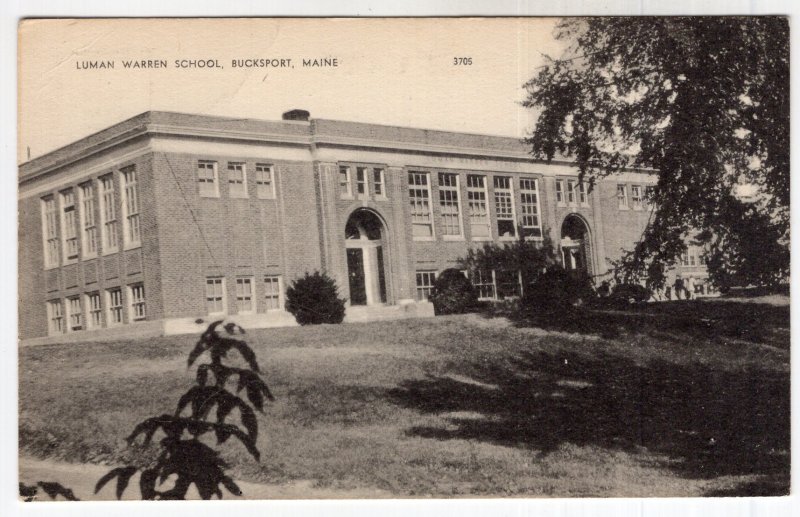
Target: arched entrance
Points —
{"points": [[364, 242], [576, 251]]}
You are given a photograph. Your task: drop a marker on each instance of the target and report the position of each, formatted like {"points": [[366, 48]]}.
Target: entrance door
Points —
{"points": [[355, 273]]}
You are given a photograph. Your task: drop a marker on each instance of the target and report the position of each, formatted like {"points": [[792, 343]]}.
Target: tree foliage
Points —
{"points": [[703, 101]]}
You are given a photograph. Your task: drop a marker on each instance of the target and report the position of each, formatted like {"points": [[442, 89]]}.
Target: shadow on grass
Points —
{"points": [[708, 423]]}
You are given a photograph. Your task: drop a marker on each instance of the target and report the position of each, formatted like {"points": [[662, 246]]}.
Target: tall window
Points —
{"points": [[636, 197], [560, 192], [215, 295], [75, 313], [345, 189], [55, 317], [114, 304], [504, 206], [425, 280], [483, 280], [69, 225], [582, 197], [130, 207], [265, 183], [272, 292], [361, 181], [571, 192], [449, 205], [622, 197], [508, 283], [237, 179], [108, 214], [88, 220], [649, 191], [207, 183], [136, 292], [378, 185], [529, 206], [419, 192], [244, 295], [50, 224], [95, 310], [478, 208]]}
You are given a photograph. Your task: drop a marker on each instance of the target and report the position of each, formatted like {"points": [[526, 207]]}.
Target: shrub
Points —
{"points": [[314, 299], [557, 290], [453, 293], [629, 294]]}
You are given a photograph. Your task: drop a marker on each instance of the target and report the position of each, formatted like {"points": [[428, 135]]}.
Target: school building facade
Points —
{"points": [[164, 219]]}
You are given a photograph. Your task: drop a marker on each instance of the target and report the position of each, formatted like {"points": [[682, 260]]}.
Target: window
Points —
{"points": [[504, 207], [75, 314], [378, 186], [508, 283], [207, 178], [130, 207], [114, 304], [68, 225], [560, 192], [478, 208], [136, 292], [685, 258], [425, 280], [244, 296], [622, 197], [345, 190], [272, 290], [582, 197], [483, 280], [108, 215], [215, 295], [95, 309], [529, 206], [571, 192], [636, 197], [50, 231], [265, 184], [361, 181], [237, 180], [419, 191], [55, 317], [448, 205], [88, 220]]}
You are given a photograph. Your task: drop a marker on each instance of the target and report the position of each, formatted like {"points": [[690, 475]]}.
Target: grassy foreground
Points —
{"points": [[683, 399]]}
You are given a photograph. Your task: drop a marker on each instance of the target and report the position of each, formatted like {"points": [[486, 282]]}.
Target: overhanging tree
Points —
{"points": [[703, 101]]}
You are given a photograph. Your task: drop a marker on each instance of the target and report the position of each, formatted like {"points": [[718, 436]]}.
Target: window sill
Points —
{"points": [[453, 238], [239, 197], [70, 262], [105, 253], [207, 196], [266, 197], [347, 197], [90, 257], [129, 247], [381, 198], [424, 239], [482, 239]]}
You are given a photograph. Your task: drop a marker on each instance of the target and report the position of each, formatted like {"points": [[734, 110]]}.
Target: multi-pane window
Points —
{"points": [[130, 207], [345, 188], [571, 184], [685, 258], [88, 220], [50, 223], [504, 206], [215, 295], [207, 178], [136, 292], [508, 283], [378, 183], [425, 280], [582, 197], [361, 180], [94, 308], [108, 214], [265, 183], [560, 192], [55, 317], [244, 295], [419, 192], [478, 207], [272, 292], [483, 280], [636, 197], [75, 313], [114, 304], [449, 205], [69, 225], [622, 197], [237, 179], [529, 207]]}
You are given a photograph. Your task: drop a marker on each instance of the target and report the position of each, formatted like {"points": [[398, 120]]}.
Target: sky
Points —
{"points": [[390, 71]]}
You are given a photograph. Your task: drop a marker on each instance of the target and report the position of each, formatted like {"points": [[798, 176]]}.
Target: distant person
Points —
{"points": [[668, 292], [604, 290], [679, 288], [690, 288]]}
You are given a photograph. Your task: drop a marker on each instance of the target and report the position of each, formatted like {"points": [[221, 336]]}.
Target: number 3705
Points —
{"points": [[463, 61]]}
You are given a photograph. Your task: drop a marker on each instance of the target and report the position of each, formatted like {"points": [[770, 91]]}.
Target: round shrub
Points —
{"points": [[453, 293], [314, 299], [557, 290], [629, 294]]}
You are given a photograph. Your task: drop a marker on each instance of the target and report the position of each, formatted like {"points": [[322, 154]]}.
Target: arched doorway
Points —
{"points": [[576, 245], [364, 243]]}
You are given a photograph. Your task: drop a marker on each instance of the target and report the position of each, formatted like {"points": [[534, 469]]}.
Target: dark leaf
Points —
{"points": [[245, 351], [54, 489], [231, 486], [123, 475]]}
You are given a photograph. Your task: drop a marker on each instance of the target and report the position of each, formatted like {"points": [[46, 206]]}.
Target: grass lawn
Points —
{"points": [[682, 399]]}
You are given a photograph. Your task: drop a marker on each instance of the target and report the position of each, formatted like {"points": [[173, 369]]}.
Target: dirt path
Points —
{"points": [[81, 478]]}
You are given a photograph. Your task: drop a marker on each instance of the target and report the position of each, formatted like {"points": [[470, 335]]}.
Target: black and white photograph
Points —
{"points": [[403, 258]]}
